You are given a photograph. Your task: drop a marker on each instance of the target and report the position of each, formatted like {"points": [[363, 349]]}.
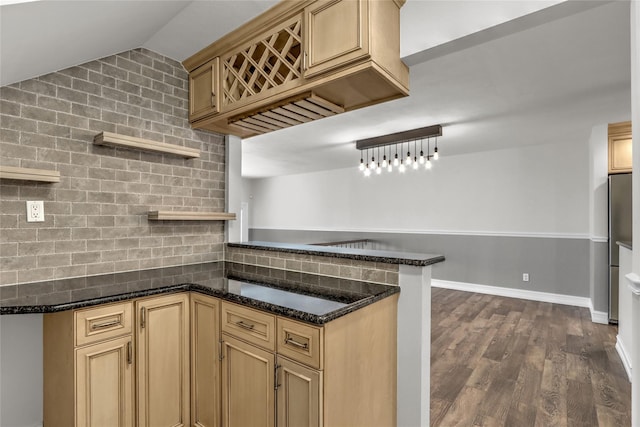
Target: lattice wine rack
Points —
{"points": [[265, 64]]}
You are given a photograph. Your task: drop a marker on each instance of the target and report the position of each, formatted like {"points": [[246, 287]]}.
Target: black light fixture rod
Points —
{"points": [[379, 141]]}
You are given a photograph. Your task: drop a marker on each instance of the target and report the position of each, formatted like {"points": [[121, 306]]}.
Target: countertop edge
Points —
{"points": [[192, 287], [409, 258]]}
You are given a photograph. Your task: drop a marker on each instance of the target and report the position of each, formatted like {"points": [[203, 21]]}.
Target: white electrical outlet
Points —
{"points": [[35, 211], [525, 277]]}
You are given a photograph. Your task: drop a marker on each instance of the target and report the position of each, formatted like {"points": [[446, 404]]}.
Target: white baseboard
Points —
{"points": [[624, 356], [514, 293], [598, 316]]}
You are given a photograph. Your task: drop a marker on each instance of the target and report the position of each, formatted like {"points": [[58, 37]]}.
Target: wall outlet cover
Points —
{"points": [[35, 211]]}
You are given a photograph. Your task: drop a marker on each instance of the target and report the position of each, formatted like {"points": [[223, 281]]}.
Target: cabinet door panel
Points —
{"points": [[298, 395], [104, 392], [337, 33], [203, 99], [205, 364], [247, 385], [163, 362]]}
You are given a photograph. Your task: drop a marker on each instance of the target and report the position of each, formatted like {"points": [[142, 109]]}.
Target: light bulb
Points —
{"points": [[361, 167], [389, 167], [378, 169], [436, 156], [372, 165], [367, 172], [384, 161], [402, 168], [395, 161], [415, 165], [428, 164], [421, 158], [408, 161]]}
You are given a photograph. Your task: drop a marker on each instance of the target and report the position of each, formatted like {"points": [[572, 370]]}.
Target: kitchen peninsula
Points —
{"points": [[319, 339]]}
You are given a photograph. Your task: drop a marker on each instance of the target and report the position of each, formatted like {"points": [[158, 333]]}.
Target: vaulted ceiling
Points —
{"points": [[495, 73]]}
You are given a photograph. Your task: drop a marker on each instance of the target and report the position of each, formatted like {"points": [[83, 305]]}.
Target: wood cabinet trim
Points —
{"points": [[264, 22]]}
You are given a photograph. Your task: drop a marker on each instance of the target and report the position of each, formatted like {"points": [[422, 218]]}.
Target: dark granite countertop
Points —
{"points": [[388, 257], [218, 279], [625, 244]]}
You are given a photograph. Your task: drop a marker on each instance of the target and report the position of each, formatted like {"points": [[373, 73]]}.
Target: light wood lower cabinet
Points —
{"points": [[193, 360], [247, 384], [299, 395], [163, 361], [89, 368], [104, 395], [205, 361], [93, 366]]}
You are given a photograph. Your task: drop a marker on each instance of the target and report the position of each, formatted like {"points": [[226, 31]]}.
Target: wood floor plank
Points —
{"points": [[502, 362], [463, 410]]}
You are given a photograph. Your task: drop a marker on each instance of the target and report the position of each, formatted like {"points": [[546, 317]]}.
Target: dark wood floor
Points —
{"points": [[507, 362]]}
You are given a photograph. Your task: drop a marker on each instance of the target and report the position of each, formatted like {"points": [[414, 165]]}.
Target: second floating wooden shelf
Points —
{"points": [[190, 216], [113, 139]]}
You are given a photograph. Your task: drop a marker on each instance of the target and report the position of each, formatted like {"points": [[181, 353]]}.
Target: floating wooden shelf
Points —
{"points": [[28, 174], [112, 139], [190, 216], [290, 112]]}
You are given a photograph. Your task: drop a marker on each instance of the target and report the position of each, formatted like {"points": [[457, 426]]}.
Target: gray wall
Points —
{"points": [[556, 265], [21, 370], [95, 217], [599, 277]]}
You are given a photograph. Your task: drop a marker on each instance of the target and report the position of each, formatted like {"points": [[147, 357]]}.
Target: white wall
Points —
{"points": [[536, 189], [598, 178]]}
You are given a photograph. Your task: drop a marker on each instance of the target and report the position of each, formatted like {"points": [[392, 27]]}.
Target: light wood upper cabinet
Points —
{"points": [[163, 361], [620, 144], [104, 394], [344, 53], [337, 32], [205, 361], [248, 395], [203, 90]]}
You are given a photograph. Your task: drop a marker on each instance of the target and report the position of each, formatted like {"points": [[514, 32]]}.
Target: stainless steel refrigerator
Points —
{"points": [[620, 223]]}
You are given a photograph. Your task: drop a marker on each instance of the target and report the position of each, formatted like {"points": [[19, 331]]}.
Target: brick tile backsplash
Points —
{"points": [[342, 268], [95, 217]]}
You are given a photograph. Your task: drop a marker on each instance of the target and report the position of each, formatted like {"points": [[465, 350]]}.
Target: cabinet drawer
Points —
{"points": [[103, 322], [250, 325], [300, 342]]}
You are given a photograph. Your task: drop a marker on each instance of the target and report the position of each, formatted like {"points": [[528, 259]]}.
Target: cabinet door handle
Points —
{"points": [[95, 326], [220, 354], [304, 61], [247, 326], [213, 99], [143, 315], [129, 353], [275, 377], [293, 342]]}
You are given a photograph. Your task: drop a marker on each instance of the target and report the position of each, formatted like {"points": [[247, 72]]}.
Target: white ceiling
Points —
{"points": [[495, 73]]}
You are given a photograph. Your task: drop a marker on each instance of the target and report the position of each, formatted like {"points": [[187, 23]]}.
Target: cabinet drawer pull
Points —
{"points": [[291, 341], [95, 326], [247, 326]]}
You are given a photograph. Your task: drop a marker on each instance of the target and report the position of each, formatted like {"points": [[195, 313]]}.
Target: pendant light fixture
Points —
{"points": [[398, 139]]}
